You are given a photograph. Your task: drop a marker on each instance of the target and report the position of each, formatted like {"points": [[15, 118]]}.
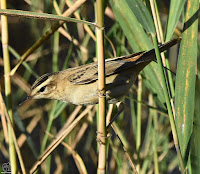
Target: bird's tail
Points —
{"points": [[150, 55], [169, 44], [147, 56]]}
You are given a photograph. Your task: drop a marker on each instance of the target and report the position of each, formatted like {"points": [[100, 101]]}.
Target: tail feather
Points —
{"points": [[169, 44], [151, 55], [148, 55]]}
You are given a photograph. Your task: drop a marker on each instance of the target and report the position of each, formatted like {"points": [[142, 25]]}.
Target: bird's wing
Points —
{"points": [[89, 73]]}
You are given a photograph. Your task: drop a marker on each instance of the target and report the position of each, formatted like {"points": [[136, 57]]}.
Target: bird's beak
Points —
{"points": [[27, 99]]}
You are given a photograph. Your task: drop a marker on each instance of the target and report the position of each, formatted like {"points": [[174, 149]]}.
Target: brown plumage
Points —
{"points": [[79, 85]]}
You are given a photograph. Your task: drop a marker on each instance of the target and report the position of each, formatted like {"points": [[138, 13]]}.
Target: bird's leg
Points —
{"points": [[100, 134], [121, 107], [100, 93]]}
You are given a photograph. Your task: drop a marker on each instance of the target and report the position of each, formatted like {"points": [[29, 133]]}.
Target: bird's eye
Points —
{"points": [[42, 89]]}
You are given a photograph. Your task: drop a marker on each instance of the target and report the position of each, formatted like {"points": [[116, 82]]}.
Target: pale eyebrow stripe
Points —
{"points": [[40, 81]]}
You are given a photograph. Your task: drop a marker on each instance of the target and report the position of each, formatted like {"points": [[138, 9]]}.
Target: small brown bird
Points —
{"points": [[79, 85]]}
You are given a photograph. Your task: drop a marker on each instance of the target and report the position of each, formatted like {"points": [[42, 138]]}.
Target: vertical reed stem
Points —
{"points": [[8, 90], [102, 100], [139, 114], [169, 108]]}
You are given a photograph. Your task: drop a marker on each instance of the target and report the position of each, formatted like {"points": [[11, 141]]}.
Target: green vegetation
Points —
{"points": [[159, 131]]}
